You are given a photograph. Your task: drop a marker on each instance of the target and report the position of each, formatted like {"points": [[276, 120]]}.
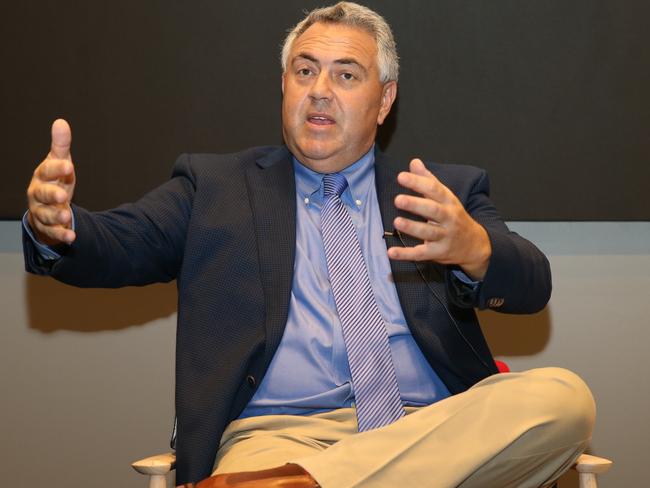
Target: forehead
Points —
{"points": [[329, 42]]}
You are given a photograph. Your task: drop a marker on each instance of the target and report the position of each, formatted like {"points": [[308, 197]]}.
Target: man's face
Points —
{"points": [[333, 99]]}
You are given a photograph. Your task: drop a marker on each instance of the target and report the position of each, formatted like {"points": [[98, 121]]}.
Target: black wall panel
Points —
{"points": [[551, 96]]}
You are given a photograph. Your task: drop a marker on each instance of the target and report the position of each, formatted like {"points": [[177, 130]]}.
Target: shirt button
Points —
{"points": [[250, 379], [358, 202], [306, 201]]}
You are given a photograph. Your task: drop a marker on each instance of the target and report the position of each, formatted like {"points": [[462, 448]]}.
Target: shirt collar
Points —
{"points": [[360, 177]]}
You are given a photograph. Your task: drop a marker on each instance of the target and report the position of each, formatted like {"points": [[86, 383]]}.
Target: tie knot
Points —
{"points": [[334, 184]]}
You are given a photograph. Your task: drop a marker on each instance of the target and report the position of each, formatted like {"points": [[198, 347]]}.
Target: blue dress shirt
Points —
{"points": [[309, 372]]}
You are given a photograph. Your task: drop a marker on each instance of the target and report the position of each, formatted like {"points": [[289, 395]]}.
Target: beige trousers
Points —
{"points": [[509, 430]]}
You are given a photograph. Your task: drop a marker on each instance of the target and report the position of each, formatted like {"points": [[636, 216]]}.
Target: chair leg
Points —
{"points": [[588, 466], [157, 481], [588, 480]]}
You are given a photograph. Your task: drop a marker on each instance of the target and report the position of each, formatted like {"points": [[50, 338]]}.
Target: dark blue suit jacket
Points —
{"points": [[224, 228]]}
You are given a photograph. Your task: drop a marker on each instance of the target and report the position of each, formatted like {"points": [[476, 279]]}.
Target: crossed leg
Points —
{"points": [[509, 430]]}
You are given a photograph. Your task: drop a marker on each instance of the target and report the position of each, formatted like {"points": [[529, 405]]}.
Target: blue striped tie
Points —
{"points": [[376, 392]]}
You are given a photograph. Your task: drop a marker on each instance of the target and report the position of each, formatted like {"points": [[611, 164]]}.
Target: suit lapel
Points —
{"points": [[416, 300], [429, 317], [387, 190], [271, 186]]}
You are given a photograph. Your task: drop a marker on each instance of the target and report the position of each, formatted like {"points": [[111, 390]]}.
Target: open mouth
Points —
{"points": [[320, 119]]}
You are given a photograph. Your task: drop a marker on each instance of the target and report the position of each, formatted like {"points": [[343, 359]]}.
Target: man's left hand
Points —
{"points": [[450, 236]]}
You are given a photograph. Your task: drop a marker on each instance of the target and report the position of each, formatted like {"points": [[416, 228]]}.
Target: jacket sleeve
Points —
{"points": [[518, 279], [134, 244]]}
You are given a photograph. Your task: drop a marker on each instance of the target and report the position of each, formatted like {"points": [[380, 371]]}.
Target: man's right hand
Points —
{"points": [[50, 192]]}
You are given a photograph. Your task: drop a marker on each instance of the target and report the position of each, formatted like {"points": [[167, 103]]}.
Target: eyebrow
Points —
{"points": [[344, 61]]}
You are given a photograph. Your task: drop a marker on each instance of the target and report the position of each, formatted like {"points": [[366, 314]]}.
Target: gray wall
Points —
{"points": [[87, 375]]}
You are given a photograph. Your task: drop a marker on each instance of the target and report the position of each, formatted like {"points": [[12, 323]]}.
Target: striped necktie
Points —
{"points": [[376, 393]]}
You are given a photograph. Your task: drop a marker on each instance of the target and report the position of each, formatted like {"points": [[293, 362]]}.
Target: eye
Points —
{"points": [[348, 76], [304, 72]]}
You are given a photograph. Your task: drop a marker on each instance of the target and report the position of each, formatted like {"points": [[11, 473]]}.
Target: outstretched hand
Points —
{"points": [[50, 192], [450, 235]]}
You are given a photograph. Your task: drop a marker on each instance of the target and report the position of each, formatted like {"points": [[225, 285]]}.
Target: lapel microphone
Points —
{"points": [[393, 234]]}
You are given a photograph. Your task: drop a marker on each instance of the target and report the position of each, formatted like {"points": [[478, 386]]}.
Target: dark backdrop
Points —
{"points": [[551, 96]]}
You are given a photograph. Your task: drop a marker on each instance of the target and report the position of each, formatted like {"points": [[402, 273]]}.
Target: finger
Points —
{"points": [[63, 234], [421, 252], [61, 140], [53, 234], [50, 194], [420, 230], [424, 207], [50, 215], [427, 185], [417, 166], [55, 169]]}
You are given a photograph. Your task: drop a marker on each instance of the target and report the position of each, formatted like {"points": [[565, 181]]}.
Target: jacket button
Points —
{"points": [[250, 379], [495, 302]]}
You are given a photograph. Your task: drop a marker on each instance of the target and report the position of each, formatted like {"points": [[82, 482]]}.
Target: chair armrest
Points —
{"points": [[592, 464], [160, 464]]}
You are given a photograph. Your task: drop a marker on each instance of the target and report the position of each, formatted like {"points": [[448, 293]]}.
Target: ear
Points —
{"points": [[388, 95]]}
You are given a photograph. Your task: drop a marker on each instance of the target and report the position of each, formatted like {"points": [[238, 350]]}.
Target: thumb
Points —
{"points": [[61, 140]]}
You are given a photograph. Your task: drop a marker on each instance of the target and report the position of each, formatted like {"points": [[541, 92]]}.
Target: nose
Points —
{"points": [[321, 88]]}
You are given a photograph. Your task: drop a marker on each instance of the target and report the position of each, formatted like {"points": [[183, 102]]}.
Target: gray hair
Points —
{"points": [[353, 15]]}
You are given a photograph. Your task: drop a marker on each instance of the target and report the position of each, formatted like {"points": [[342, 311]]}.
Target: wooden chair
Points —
{"points": [[157, 467]]}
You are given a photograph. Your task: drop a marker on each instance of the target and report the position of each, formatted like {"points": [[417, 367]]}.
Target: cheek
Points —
{"points": [[291, 106], [366, 115], [288, 111], [364, 107]]}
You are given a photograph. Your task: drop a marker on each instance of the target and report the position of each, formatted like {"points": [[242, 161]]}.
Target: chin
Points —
{"points": [[317, 152]]}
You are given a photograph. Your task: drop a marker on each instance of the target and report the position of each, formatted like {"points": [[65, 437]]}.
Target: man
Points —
{"points": [[304, 356]]}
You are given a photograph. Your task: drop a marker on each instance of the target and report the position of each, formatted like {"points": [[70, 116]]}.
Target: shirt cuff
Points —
{"points": [[44, 251], [465, 279]]}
